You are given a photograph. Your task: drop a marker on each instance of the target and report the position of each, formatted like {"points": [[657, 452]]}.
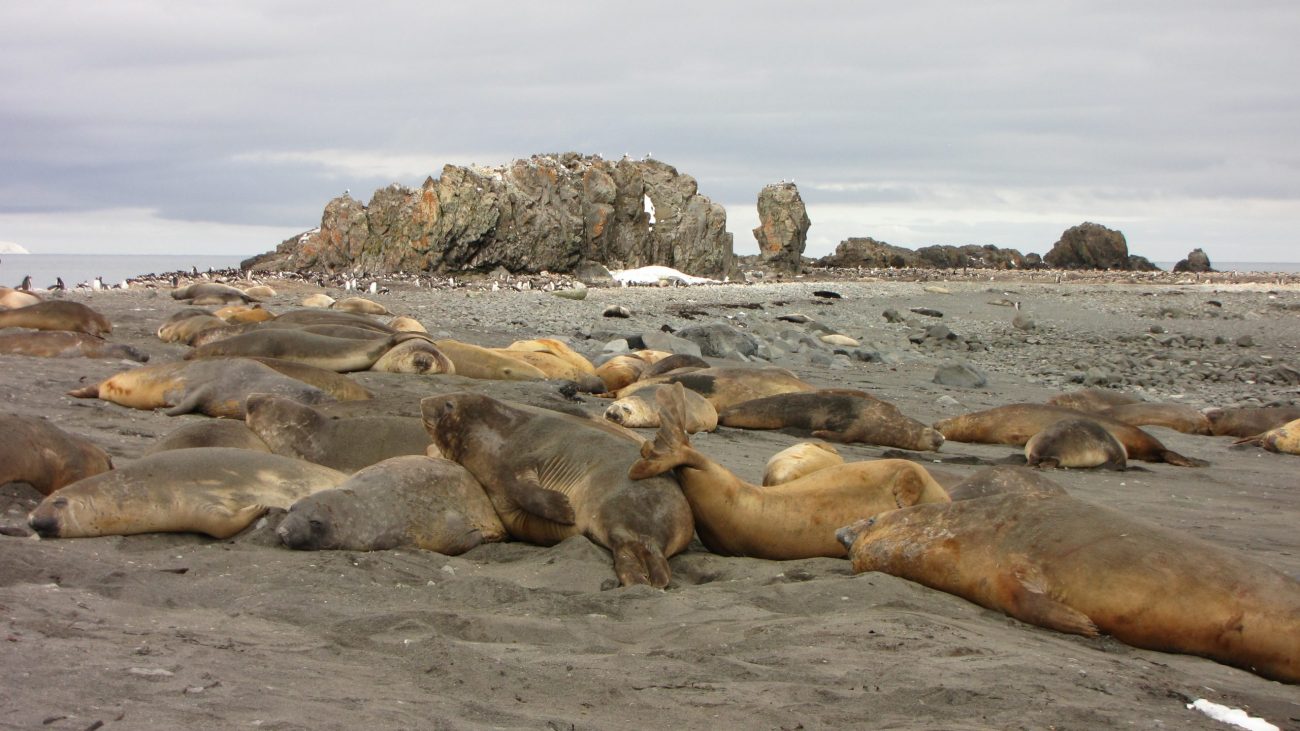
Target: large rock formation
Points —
{"points": [[1197, 261], [782, 232], [867, 252], [548, 212], [1093, 246], [971, 255]]}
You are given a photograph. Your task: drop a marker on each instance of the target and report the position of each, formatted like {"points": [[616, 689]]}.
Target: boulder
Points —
{"points": [[720, 340], [869, 253], [1090, 246], [782, 232], [960, 374], [1197, 261], [977, 257]]}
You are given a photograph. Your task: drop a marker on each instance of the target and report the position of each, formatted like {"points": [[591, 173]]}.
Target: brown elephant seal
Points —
{"points": [[16, 298], [330, 317], [1092, 399], [551, 476], [641, 410], [293, 429], [230, 433], [1068, 565], [212, 490], [34, 451], [674, 362], [1077, 444], [403, 502], [318, 300], [211, 293], [337, 385], [58, 315], [341, 355], [1179, 417], [836, 415], [216, 387], [1016, 423], [1284, 439], [801, 459], [557, 348], [67, 344], [414, 356], [1248, 421], [244, 314], [1004, 480], [793, 520], [727, 386], [186, 329], [620, 372], [473, 361], [360, 305]]}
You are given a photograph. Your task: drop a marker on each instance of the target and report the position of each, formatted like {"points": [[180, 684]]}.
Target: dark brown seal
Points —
{"points": [[66, 344], [58, 315], [1249, 421], [836, 415], [44, 456], [1075, 443], [297, 430]]}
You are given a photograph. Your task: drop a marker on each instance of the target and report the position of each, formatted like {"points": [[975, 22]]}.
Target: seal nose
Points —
{"points": [[46, 526]]}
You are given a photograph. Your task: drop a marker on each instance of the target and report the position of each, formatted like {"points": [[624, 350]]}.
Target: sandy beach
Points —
{"points": [[183, 631]]}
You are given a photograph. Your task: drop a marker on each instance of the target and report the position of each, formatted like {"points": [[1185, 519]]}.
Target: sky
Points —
{"points": [[142, 126]]}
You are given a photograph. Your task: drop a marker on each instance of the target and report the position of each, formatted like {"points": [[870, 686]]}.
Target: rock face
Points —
{"points": [[782, 232], [549, 212], [1196, 261], [1093, 246], [977, 257], [867, 252]]}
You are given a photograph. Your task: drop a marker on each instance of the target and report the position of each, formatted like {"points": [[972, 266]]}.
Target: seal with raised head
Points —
{"points": [[641, 410], [1075, 443], [551, 476], [793, 520], [403, 502], [34, 451], [1284, 439], [1179, 417], [836, 415], [1016, 423], [1247, 421], [342, 355], [1071, 566], [1092, 399], [801, 459], [58, 315], [726, 386], [66, 344], [210, 433], [1004, 480], [212, 490], [296, 430]]}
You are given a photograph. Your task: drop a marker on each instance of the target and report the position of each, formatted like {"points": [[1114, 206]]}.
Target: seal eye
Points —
{"points": [[316, 525], [60, 502]]}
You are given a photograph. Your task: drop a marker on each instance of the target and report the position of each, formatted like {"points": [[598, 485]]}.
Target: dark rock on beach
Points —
{"points": [[1093, 246], [1197, 261], [782, 232]]}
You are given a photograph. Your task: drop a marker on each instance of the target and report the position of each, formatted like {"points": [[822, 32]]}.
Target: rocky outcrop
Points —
{"points": [[869, 253], [971, 255], [1091, 246], [1197, 261], [549, 212], [782, 232]]}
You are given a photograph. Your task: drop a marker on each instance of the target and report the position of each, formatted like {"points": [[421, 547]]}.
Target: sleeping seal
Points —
{"points": [[44, 456]]}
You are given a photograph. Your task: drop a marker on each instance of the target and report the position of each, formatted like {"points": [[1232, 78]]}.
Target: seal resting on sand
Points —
{"points": [[1092, 399], [403, 502], [801, 459], [212, 490], [1068, 565], [210, 433], [473, 361], [360, 305], [836, 415], [65, 344], [551, 476], [16, 298], [1179, 417], [341, 355], [211, 293], [641, 410], [1003, 480], [1075, 443], [58, 315], [793, 520], [727, 386], [293, 429], [44, 456], [1285, 439], [1248, 421]]}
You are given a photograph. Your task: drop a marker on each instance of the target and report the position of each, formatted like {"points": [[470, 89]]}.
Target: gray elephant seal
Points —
{"points": [[1092, 400], [837, 415], [44, 456], [1248, 421], [1179, 417], [58, 315], [1075, 443], [293, 429], [403, 502], [1004, 480], [212, 490], [65, 344], [336, 354], [211, 293], [641, 410], [230, 433]]}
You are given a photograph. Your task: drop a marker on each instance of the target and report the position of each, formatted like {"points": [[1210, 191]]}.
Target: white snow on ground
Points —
{"points": [[1234, 716], [653, 274]]}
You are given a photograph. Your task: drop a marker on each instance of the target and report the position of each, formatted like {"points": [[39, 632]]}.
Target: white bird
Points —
{"points": [[374, 287]]}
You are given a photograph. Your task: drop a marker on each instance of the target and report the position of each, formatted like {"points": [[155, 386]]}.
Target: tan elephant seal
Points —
{"points": [[620, 372], [406, 324], [1092, 399], [16, 298], [551, 476], [211, 293], [556, 368], [230, 433], [341, 355], [329, 317], [1284, 439], [1249, 420], [402, 502], [1068, 565], [674, 362], [792, 520], [726, 386], [641, 410], [414, 356], [318, 300], [58, 315], [799, 460], [66, 344], [1004, 480], [216, 387], [293, 429], [337, 385], [557, 348], [244, 314], [260, 291], [1179, 417], [360, 305], [1077, 444], [212, 490], [473, 361], [36, 452], [1016, 423], [836, 415], [186, 329]]}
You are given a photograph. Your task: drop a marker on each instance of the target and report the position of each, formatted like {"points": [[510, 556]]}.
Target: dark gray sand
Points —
{"points": [[181, 631]]}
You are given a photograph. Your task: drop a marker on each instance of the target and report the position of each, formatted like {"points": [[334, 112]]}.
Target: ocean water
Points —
{"points": [[45, 269], [1243, 266]]}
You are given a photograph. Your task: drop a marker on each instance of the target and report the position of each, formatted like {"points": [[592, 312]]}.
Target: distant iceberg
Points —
{"points": [[9, 247]]}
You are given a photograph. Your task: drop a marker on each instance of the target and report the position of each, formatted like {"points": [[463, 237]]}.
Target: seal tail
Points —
{"points": [[87, 392], [671, 447], [1171, 457]]}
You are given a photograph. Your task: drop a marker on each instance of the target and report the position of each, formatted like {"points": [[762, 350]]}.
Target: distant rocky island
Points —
{"points": [[557, 212]]}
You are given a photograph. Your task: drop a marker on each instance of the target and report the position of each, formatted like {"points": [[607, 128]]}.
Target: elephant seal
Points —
{"points": [[318, 300], [473, 361], [1178, 417], [1016, 423], [211, 293], [260, 291], [1284, 439], [293, 429], [405, 324], [801, 459], [213, 490], [641, 410], [66, 344], [836, 415], [402, 502], [1004, 480], [58, 315], [216, 387], [34, 451], [1092, 399], [620, 372], [551, 476], [330, 317], [727, 386], [210, 433], [1075, 443], [186, 329], [557, 348], [674, 362], [333, 383], [556, 368], [792, 520], [341, 355], [16, 298], [1071, 566], [1249, 421], [414, 356], [244, 314], [360, 305]]}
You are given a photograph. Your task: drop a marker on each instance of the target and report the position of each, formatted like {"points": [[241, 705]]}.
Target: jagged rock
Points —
{"points": [[549, 212], [979, 257], [867, 252], [593, 274], [1090, 246], [782, 229], [1197, 261], [960, 375], [1141, 264]]}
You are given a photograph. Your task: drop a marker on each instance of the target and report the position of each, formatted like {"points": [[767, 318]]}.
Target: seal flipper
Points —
{"points": [[87, 392], [1171, 457], [189, 403], [671, 447], [532, 490], [637, 561], [1029, 602]]}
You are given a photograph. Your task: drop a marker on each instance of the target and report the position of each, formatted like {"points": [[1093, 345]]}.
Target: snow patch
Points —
{"points": [[1234, 716], [654, 274]]}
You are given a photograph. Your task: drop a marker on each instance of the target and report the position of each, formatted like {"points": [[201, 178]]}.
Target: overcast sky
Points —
{"points": [[166, 127]]}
